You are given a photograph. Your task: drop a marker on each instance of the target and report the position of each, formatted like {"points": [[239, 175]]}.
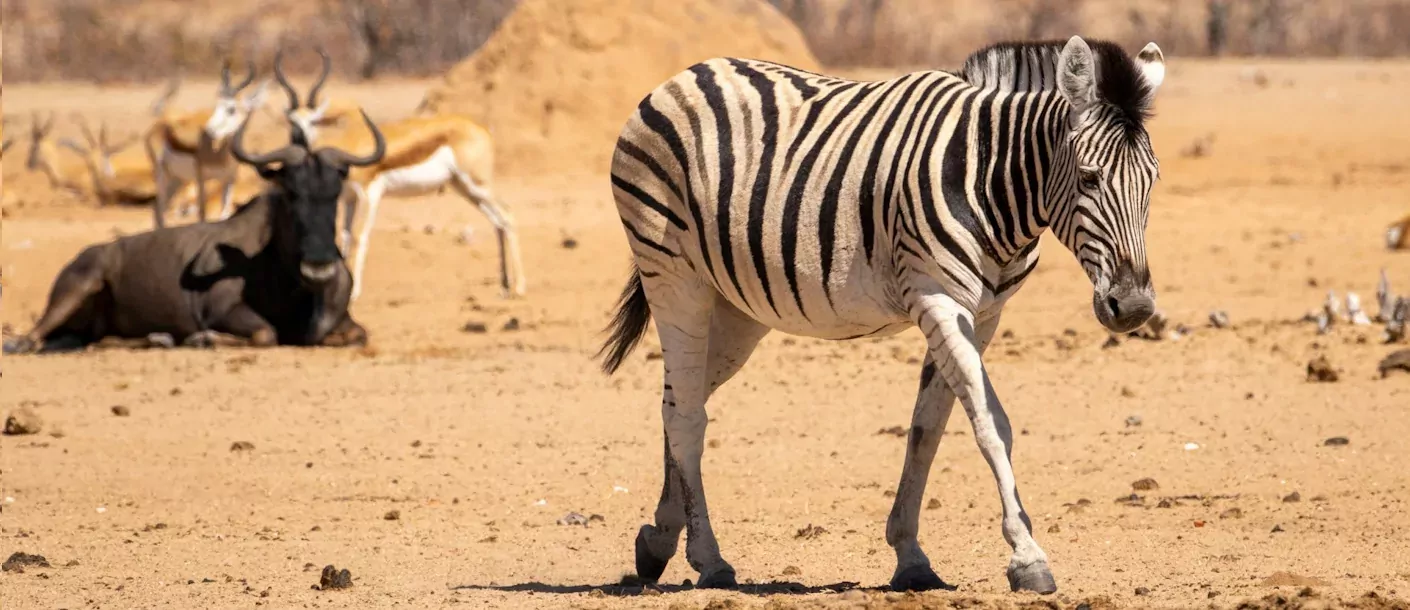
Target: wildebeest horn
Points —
{"points": [[322, 77], [342, 157], [289, 155], [284, 81]]}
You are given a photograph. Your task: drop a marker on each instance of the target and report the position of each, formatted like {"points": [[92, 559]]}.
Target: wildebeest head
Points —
{"points": [[308, 184]]}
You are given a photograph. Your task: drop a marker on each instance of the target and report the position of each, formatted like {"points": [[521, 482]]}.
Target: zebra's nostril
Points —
{"points": [[1114, 307]]}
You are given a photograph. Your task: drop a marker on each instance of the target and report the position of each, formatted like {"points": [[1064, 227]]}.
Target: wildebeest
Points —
{"points": [[270, 274]]}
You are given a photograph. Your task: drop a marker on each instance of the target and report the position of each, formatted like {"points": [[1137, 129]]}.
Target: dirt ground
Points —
{"points": [[481, 442]]}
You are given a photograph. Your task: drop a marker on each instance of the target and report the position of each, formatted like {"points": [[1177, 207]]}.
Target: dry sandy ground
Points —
{"points": [[482, 442]]}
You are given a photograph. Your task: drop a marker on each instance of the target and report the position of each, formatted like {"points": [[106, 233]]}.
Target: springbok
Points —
{"points": [[43, 157], [424, 154], [269, 275], [115, 178], [195, 146]]}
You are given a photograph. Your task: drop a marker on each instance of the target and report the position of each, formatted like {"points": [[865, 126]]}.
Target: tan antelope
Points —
{"points": [[195, 146], [116, 177], [424, 154], [44, 158]]}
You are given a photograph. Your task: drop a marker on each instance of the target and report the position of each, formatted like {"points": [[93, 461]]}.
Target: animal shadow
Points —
{"points": [[629, 587]]}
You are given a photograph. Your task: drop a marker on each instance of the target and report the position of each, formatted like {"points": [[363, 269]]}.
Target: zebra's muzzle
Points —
{"points": [[1124, 308]]}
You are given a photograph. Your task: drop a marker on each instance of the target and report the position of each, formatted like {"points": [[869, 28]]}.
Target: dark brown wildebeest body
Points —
{"points": [[270, 274], [232, 277]]}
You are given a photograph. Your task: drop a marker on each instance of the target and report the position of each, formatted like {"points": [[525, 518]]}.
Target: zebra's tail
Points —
{"points": [[628, 325]]}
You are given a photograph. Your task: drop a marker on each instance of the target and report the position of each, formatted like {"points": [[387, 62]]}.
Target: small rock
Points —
{"points": [[1131, 500], [1293, 497], [1337, 441], [19, 561], [22, 421], [1063, 344], [1146, 484], [569, 243], [392, 515], [810, 532], [1069, 332], [475, 327], [933, 504], [1233, 513], [333, 578], [511, 325], [897, 431], [242, 446], [1054, 529], [574, 518], [792, 571], [121, 410], [1219, 319], [1199, 523], [1166, 503], [1277, 528], [654, 354], [1142, 591], [1133, 421], [1127, 392], [71, 563], [1320, 370], [1007, 334]]}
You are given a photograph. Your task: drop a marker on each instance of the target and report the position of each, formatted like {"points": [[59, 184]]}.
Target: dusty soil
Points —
{"points": [[482, 442]]}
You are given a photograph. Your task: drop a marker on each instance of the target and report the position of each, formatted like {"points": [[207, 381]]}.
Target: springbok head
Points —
{"points": [[309, 116], [230, 108]]}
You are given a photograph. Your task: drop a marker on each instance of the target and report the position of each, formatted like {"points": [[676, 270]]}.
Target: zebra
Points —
{"points": [[759, 197]]}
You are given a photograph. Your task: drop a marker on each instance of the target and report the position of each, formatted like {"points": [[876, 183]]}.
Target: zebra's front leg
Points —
{"points": [[932, 411], [956, 347]]}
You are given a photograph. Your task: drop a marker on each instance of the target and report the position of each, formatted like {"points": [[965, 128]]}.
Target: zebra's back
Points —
{"points": [[769, 181]]}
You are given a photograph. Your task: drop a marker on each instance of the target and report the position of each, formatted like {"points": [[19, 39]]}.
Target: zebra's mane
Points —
{"points": [[1009, 66]]}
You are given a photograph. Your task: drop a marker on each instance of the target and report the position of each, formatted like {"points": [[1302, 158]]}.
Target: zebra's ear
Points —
{"points": [[1152, 64], [1077, 76]]}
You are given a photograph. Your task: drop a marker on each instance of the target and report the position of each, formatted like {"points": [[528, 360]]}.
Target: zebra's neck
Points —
{"points": [[1020, 166]]}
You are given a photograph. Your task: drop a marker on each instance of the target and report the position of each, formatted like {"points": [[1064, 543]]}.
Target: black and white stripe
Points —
{"points": [[760, 197]]}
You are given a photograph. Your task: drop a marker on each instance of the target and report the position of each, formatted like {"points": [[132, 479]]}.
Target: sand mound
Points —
{"points": [[558, 79]]}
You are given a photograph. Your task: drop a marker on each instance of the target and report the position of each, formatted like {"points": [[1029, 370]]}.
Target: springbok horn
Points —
{"points": [[284, 81], [322, 77]]}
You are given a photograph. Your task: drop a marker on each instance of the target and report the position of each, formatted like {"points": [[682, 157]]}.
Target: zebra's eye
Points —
{"points": [[1091, 178]]}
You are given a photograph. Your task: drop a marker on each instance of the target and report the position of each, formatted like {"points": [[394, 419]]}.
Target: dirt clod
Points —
{"points": [[792, 571], [1283, 578], [1054, 529], [1219, 319], [20, 560], [510, 325], [898, 431], [1320, 370], [1143, 591], [22, 421], [933, 504], [392, 515], [1133, 421], [810, 532], [121, 410], [475, 328], [1146, 484], [1293, 497], [242, 446], [1233, 513], [333, 578], [1337, 441]]}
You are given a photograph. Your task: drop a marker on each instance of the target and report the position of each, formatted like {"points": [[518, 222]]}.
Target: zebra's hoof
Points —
{"points": [[722, 578], [1035, 577], [919, 578], [649, 567]]}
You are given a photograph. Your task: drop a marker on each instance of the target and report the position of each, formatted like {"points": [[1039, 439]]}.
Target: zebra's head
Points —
{"points": [[1102, 216]]}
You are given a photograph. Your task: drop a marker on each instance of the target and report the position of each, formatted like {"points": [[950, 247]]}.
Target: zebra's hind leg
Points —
{"points": [[733, 337], [932, 412], [957, 346]]}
